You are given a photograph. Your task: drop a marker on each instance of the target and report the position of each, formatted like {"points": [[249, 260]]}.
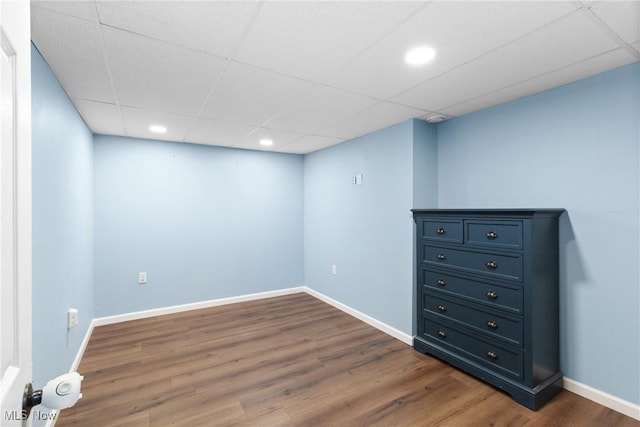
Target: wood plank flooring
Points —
{"points": [[289, 361]]}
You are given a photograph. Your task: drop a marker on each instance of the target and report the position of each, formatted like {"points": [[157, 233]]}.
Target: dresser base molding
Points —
{"points": [[532, 398]]}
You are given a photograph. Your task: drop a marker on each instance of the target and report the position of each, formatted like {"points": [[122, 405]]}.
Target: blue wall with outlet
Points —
{"points": [[367, 230], [62, 150], [575, 147], [202, 222]]}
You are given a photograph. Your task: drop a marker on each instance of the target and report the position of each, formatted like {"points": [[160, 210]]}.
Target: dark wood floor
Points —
{"points": [[289, 361]]}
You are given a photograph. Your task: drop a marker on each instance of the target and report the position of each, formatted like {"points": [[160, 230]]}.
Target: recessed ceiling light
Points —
{"points": [[266, 142], [158, 129], [420, 55], [436, 118]]}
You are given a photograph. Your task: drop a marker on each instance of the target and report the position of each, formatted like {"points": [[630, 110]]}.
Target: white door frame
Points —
{"points": [[15, 209]]}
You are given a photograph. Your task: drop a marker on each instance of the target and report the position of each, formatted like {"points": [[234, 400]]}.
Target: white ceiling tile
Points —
{"points": [[214, 27], [579, 39], [379, 116], [623, 17], [213, 132], [315, 72], [322, 107], [309, 143], [79, 9], [250, 95], [74, 53], [311, 39], [572, 73], [158, 76], [137, 122], [101, 117], [279, 138], [459, 31]]}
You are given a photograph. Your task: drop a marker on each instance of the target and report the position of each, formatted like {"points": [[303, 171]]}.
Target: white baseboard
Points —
{"points": [[605, 399], [193, 306], [405, 338], [83, 347], [600, 397], [389, 330]]}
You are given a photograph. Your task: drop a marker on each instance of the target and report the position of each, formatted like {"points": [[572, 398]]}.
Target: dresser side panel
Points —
{"points": [[545, 322]]}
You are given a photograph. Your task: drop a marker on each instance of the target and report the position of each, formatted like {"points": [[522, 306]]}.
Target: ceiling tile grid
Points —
{"points": [[213, 132], [311, 39], [311, 74], [544, 82], [453, 29], [154, 75], [214, 27], [71, 46], [101, 117], [621, 17], [322, 106], [379, 116], [80, 9], [250, 95], [530, 56], [277, 136], [309, 143], [137, 121]]}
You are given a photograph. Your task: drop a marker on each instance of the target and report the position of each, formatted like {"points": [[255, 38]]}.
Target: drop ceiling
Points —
{"points": [[310, 74]]}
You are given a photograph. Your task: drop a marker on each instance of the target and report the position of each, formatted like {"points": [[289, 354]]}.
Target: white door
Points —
{"points": [[15, 209]]}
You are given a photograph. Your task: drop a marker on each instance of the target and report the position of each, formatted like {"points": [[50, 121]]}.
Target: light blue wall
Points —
{"points": [[576, 148], [425, 165], [203, 222], [365, 230], [62, 224]]}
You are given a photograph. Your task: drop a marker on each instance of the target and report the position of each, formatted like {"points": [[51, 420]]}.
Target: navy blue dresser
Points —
{"points": [[487, 296]]}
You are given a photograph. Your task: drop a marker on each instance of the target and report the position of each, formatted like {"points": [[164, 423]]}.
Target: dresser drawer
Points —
{"points": [[489, 294], [503, 360], [504, 234], [443, 230], [500, 327], [507, 266]]}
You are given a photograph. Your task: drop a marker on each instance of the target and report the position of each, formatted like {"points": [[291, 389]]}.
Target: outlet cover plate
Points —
{"points": [[72, 318]]}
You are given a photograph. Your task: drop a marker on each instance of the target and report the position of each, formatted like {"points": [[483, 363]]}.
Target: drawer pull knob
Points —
{"points": [[442, 257], [492, 355], [492, 235], [442, 282], [491, 294], [491, 265], [442, 307], [492, 324], [442, 334], [441, 231]]}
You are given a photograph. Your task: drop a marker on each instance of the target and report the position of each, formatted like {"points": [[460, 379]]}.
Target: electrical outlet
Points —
{"points": [[72, 318], [334, 269], [142, 277]]}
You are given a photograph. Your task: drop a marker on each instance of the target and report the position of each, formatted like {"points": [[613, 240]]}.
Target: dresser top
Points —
{"points": [[492, 212]]}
